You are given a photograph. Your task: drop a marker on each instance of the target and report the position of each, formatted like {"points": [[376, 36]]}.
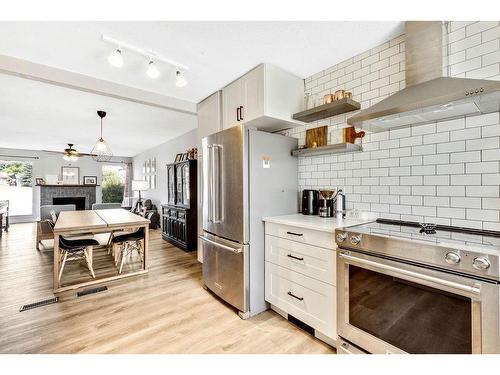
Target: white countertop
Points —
{"points": [[327, 224]]}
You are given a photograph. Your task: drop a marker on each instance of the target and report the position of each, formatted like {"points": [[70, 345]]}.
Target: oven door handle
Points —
{"points": [[432, 279]]}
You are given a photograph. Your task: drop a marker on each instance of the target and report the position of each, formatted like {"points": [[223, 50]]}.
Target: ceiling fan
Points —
{"points": [[70, 153]]}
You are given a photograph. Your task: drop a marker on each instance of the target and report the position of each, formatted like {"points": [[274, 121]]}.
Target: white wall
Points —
{"points": [[164, 154], [48, 163], [446, 172]]}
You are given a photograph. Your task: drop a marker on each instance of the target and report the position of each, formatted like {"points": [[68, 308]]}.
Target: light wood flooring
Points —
{"points": [[165, 311]]}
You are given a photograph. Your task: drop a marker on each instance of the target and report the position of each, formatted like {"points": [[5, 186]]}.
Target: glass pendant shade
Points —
{"points": [[101, 151]]}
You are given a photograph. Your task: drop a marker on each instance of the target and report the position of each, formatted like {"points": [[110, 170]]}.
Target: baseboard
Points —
{"points": [[21, 219], [317, 334]]}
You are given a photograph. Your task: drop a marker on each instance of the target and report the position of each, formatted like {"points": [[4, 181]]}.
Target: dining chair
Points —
{"points": [[43, 231], [75, 249], [127, 243]]}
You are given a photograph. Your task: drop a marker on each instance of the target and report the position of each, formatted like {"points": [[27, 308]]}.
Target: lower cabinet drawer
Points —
{"points": [[309, 300], [316, 262], [304, 235]]}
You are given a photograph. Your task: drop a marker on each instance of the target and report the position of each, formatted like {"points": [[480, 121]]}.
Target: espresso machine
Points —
{"points": [[326, 206], [331, 203]]}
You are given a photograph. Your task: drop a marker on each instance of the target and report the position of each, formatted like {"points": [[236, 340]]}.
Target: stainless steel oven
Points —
{"points": [[388, 305]]}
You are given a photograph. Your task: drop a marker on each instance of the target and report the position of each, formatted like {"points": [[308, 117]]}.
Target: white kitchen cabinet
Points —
{"points": [[209, 117], [209, 122], [300, 276], [266, 98]]}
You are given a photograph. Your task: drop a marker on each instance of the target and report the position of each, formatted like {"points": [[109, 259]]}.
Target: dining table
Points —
{"points": [[77, 223]]}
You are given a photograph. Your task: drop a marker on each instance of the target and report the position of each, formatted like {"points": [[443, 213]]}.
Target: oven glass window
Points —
{"points": [[412, 317]]}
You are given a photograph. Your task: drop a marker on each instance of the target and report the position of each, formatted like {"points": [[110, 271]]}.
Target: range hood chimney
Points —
{"points": [[428, 96]]}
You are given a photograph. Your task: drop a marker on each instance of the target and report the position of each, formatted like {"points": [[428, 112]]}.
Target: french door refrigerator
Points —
{"points": [[247, 175]]}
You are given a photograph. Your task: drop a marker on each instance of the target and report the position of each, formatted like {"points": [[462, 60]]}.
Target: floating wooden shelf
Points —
{"points": [[328, 149], [327, 110]]}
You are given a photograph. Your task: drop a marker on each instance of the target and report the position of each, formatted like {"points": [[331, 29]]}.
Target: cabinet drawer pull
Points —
{"points": [[294, 257], [238, 114], [241, 113], [295, 234], [294, 296]]}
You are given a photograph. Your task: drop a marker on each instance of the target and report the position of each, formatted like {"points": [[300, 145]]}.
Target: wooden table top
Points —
{"points": [[89, 220], [78, 220], [119, 217]]}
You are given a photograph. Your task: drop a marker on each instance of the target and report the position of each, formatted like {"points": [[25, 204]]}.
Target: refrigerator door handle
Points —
{"points": [[234, 250], [217, 199], [210, 183]]}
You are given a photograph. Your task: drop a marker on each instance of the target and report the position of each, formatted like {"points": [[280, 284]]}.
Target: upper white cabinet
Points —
{"points": [[209, 117], [266, 97]]}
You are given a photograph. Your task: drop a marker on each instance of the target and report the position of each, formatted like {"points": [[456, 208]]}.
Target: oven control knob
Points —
{"points": [[341, 237], [481, 263], [355, 239], [452, 258]]}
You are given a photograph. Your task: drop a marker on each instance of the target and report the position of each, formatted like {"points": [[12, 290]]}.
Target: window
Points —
{"points": [[16, 186], [113, 183]]}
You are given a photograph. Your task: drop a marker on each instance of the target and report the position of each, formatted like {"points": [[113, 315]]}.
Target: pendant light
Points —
{"points": [[116, 58], [101, 151]]}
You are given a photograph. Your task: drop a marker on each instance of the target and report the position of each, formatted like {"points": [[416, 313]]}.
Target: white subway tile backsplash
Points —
{"points": [[482, 191], [491, 179], [478, 27], [465, 179], [491, 203], [470, 133], [450, 169], [423, 129], [454, 213], [490, 155], [423, 150], [450, 191], [482, 167], [482, 144], [444, 172], [437, 201], [465, 157], [465, 202], [485, 215]]}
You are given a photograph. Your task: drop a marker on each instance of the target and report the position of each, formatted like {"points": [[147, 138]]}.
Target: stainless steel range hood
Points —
{"points": [[428, 96]]}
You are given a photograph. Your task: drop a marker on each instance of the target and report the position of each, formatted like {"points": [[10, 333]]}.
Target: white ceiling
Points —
{"points": [[36, 115], [215, 52], [40, 116]]}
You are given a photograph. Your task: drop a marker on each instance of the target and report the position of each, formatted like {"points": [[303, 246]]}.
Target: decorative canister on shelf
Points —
{"points": [[339, 94], [328, 98]]}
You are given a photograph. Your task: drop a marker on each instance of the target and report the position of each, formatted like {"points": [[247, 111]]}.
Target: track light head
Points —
{"points": [[116, 58], [180, 80], [152, 71]]}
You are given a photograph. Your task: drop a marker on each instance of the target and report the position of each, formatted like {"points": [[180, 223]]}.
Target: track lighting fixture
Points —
{"points": [[116, 58], [180, 80], [152, 71]]}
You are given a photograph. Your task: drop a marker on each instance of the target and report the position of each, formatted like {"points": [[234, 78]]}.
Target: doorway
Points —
{"points": [[16, 186]]}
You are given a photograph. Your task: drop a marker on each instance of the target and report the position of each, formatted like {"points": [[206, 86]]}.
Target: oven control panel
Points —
{"points": [[456, 259]]}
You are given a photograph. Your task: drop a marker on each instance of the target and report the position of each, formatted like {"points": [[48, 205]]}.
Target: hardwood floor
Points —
{"points": [[165, 311]]}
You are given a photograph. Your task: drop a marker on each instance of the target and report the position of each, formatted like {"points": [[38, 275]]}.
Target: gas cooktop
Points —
{"points": [[467, 250]]}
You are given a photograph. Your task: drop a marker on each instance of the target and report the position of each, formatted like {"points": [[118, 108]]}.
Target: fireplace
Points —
{"points": [[79, 202], [50, 194]]}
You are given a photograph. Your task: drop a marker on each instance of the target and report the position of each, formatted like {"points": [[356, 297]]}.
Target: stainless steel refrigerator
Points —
{"points": [[247, 175]]}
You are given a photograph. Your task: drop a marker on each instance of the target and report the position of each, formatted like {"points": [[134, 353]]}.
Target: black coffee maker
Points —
{"points": [[310, 202]]}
